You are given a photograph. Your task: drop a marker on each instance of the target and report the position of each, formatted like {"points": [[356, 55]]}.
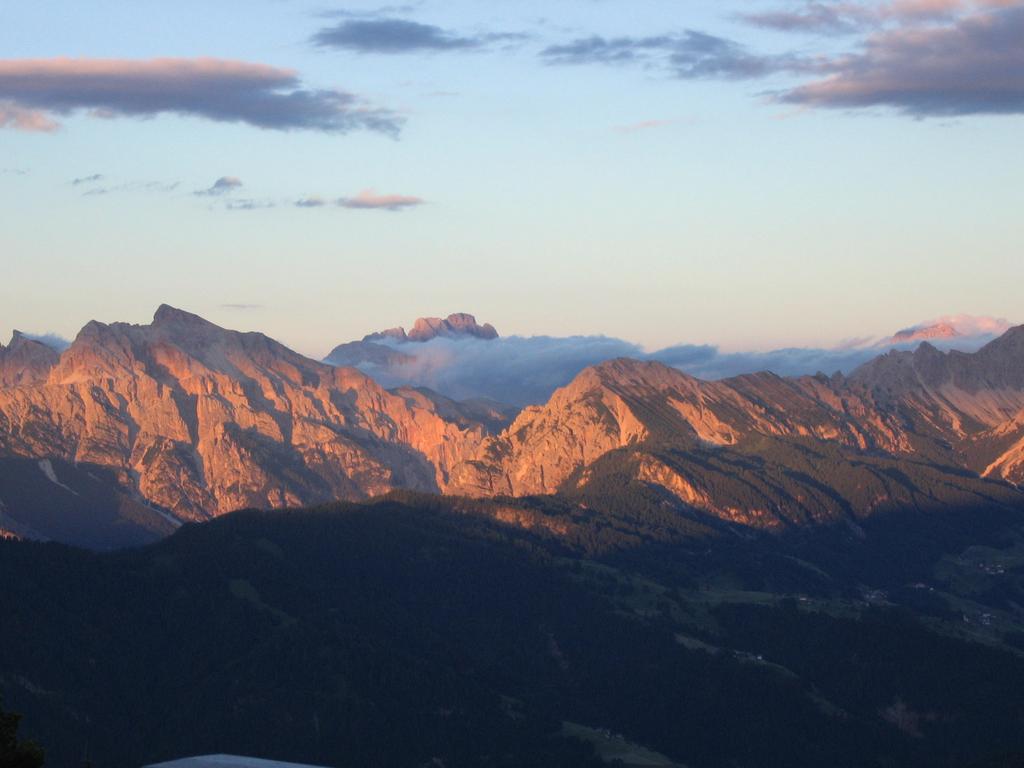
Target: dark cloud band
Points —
{"points": [[31, 91], [973, 66], [394, 36]]}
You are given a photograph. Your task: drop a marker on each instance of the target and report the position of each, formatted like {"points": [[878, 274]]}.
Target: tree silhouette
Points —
{"points": [[14, 753]]}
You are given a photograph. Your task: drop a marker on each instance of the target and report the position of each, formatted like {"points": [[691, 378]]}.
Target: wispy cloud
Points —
{"points": [[642, 125], [849, 16], [151, 186], [242, 307], [368, 199], [222, 186], [53, 340], [690, 55], [33, 91], [310, 202], [393, 36], [606, 50], [249, 205]]}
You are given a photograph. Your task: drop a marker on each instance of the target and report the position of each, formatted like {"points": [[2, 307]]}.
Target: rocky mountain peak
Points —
{"points": [[459, 324], [627, 372], [940, 330], [167, 315], [25, 361]]}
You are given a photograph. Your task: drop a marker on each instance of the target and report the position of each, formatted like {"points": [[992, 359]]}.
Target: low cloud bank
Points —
{"points": [[526, 370]]}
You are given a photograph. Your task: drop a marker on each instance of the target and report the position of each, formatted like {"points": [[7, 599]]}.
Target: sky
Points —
{"points": [[752, 174]]}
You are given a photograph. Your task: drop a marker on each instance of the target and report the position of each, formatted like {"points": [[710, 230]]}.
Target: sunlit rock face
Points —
{"points": [[25, 361], [380, 349], [927, 407], [201, 420], [427, 328]]}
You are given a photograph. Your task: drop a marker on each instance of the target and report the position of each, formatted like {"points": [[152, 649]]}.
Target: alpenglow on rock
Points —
{"points": [[379, 349], [201, 420], [195, 420], [427, 328]]}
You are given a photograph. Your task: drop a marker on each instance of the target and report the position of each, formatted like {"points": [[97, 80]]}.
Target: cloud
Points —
{"points": [[603, 50], [384, 11], [52, 340], [28, 120], [368, 199], [820, 17], [249, 205], [33, 90], [394, 36], [161, 187], [526, 370], [699, 55], [222, 186], [512, 370], [241, 307], [923, 58], [643, 125], [690, 55], [310, 202], [974, 65], [13, 172]]}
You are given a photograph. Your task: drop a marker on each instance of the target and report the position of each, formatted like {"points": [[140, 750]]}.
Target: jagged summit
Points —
{"points": [[459, 324], [948, 330], [998, 365], [25, 361], [379, 349], [167, 315], [202, 420], [918, 333]]}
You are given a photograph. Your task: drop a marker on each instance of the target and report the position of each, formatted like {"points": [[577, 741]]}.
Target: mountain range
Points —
{"points": [[645, 569], [181, 420]]}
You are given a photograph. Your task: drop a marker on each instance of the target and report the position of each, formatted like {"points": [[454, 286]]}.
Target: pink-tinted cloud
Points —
{"points": [[368, 199], [973, 65], [643, 125], [34, 90], [22, 119]]}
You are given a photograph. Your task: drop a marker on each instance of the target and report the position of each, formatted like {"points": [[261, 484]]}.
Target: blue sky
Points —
{"points": [[728, 203]]}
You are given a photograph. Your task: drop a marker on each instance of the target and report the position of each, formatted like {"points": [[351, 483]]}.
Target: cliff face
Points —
{"points": [[202, 421]]}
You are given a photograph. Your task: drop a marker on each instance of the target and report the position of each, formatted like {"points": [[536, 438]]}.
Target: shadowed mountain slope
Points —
{"points": [[406, 633]]}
